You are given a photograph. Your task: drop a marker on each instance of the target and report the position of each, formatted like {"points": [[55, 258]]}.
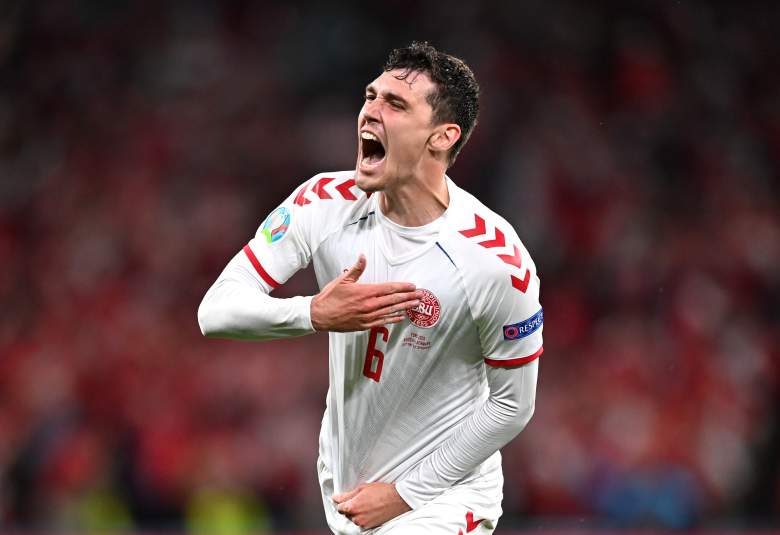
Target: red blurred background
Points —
{"points": [[634, 146]]}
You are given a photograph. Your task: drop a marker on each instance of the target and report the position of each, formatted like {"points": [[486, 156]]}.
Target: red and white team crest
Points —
{"points": [[427, 313]]}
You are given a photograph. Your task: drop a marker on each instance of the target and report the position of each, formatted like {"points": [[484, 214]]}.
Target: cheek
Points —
{"points": [[411, 142]]}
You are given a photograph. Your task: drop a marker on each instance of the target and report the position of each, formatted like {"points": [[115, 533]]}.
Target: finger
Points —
{"points": [[348, 507], [344, 496], [394, 310], [387, 320], [354, 273], [385, 288], [394, 299]]}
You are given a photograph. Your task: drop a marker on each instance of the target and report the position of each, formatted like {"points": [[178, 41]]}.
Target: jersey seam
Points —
{"points": [[446, 254], [468, 299], [335, 230], [468, 303]]}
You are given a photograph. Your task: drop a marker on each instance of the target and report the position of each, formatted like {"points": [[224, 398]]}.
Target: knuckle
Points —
{"points": [[375, 289], [387, 289]]}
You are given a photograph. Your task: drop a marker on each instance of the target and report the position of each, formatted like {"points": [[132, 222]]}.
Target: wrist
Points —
{"points": [[302, 312], [406, 496], [400, 498], [314, 319]]}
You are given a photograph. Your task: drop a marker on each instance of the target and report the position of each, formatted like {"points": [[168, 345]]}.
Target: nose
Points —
{"points": [[370, 111]]}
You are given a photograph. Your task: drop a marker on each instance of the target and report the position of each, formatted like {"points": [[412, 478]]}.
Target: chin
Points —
{"points": [[369, 183]]}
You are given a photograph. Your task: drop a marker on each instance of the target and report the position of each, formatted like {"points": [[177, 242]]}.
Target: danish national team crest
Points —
{"points": [[276, 224], [427, 313]]}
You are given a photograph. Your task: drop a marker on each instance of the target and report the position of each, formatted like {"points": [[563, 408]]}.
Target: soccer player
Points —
{"points": [[431, 301]]}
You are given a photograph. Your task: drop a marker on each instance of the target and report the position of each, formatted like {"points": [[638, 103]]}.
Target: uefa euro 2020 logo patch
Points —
{"points": [[276, 224]]}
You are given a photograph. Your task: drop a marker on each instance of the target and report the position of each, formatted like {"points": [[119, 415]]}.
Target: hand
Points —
{"points": [[371, 505], [344, 305]]}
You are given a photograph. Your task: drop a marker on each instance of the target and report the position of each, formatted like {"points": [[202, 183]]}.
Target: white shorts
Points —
{"points": [[469, 508]]}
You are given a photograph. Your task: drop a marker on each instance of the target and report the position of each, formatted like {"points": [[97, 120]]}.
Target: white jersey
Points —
{"points": [[398, 391]]}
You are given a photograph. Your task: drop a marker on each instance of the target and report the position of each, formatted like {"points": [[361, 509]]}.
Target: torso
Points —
{"points": [[383, 421]]}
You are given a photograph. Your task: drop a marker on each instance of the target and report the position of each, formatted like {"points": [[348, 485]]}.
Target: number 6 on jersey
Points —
{"points": [[373, 354]]}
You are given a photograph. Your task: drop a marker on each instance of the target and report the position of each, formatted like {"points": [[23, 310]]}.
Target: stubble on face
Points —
{"points": [[401, 135]]}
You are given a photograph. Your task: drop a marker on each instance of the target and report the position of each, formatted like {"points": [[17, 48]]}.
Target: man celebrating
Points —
{"points": [[428, 377]]}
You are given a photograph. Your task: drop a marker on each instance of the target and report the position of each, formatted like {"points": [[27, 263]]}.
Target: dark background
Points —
{"points": [[635, 147]]}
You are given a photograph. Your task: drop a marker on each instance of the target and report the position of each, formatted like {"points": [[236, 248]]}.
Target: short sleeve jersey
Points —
{"points": [[398, 391]]}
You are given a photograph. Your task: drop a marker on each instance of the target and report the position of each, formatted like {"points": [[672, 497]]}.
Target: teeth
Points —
{"points": [[369, 136]]}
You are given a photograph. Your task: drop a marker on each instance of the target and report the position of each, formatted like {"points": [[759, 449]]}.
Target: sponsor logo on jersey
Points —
{"points": [[276, 224], [427, 313], [524, 328]]}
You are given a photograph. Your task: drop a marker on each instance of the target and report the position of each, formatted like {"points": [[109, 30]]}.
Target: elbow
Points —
{"points": [[524, 415], [207, 319], [517, 415]]}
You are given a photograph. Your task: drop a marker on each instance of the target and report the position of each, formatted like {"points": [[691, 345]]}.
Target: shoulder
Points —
{"points": [[317, 207], [329, 198], [333, 189], [490, 250]]}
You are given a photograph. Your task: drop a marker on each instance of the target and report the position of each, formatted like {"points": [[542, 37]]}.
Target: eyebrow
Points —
{"points": [[388, 95]]}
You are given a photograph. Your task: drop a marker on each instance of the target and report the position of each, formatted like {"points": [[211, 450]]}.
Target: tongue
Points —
{"points": [[374, 158]]}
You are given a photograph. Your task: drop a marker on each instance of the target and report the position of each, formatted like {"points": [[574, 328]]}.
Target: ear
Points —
{"points": [[444, 137]]}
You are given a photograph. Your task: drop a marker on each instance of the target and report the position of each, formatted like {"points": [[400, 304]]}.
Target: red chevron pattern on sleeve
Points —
{"points": [[499, 242], [300, 200], [521, 284], [344, 187], [319, 188], [471, 525], [478, 230], [323, 189]]}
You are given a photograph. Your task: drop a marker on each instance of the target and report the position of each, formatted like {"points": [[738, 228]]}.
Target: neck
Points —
{"points": [[416, 202]]}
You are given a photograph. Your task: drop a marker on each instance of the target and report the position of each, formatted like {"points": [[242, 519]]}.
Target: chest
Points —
{"points": [[438, 339], [427, 265]]}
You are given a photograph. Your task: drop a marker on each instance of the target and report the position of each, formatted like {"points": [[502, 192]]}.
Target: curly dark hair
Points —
{"points": [[456, 98]]}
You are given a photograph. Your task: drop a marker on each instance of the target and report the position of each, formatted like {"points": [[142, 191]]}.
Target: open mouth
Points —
{"points": [[372, 150]]}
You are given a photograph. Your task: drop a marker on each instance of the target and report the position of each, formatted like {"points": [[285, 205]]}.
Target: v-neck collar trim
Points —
{"points": [[440, 222]]}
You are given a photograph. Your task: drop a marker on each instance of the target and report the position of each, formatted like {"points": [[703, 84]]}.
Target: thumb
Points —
{"points": [[354, 273]]}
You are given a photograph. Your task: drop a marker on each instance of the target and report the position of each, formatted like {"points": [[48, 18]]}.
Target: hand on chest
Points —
{"points": [[425, 264]]}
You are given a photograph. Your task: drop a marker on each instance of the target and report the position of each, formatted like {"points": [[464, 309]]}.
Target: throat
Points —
{"points": [[414, 206]]}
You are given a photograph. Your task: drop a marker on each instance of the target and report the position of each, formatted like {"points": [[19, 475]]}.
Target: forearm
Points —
{"points": [[238, 306], [491, 426]]}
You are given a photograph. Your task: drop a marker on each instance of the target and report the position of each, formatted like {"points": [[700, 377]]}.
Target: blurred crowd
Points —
{"points": [[636, 150]]}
